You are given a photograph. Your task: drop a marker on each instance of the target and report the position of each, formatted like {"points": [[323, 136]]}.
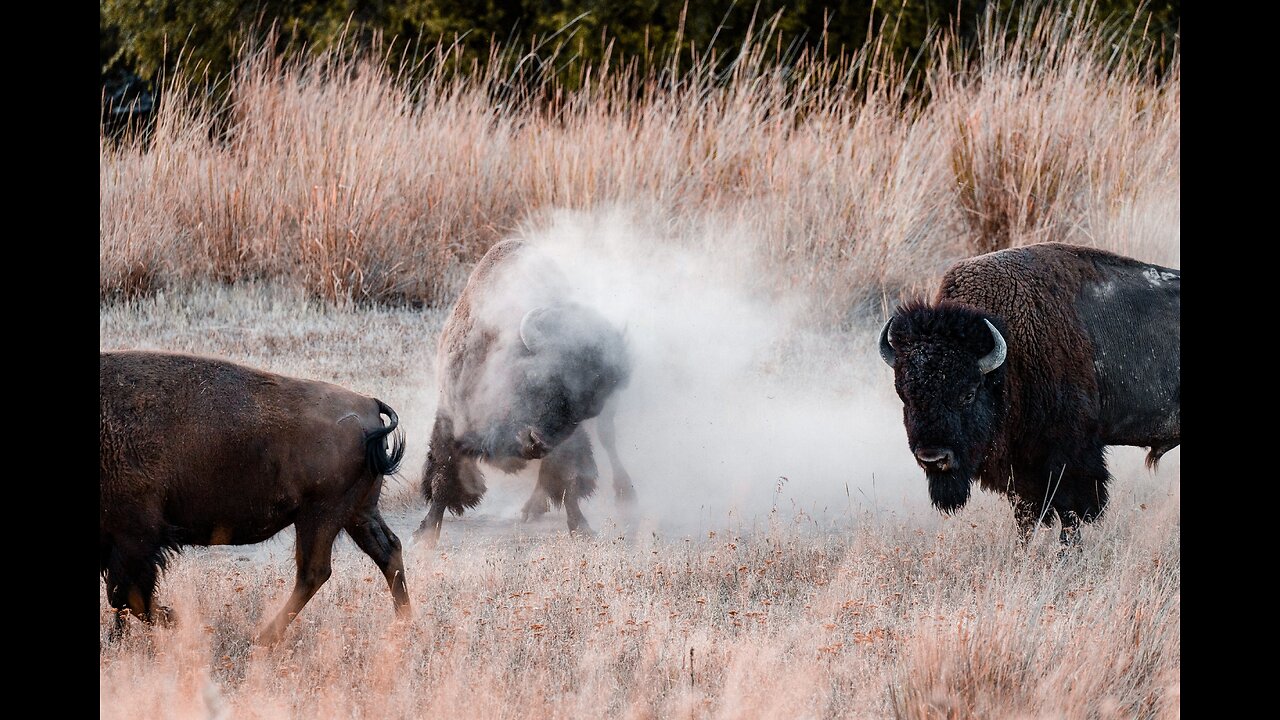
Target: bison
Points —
{"points": [[520, 367], [1029, 362], [202, 451]]}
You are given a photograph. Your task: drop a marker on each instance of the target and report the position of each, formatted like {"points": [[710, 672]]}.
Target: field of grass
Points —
{"points": [[752, 227], [870, 607]]}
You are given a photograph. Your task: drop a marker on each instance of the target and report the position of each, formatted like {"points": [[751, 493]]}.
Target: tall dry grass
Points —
{"points": [[337, 177]]}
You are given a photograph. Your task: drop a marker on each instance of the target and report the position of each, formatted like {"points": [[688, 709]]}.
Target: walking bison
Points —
{"points": [[1029, 362], [201, 451], [521, 366]]}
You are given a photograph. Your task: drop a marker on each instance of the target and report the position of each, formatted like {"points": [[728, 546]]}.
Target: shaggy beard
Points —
{"points": [[949, 491]]}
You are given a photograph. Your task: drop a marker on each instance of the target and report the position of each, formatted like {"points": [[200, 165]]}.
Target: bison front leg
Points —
{"points": [[1080, 495], [313, 554], [577, 521], [569, 474], [623, 489], [133, 567], [372, 535], [428, 532], [1069, 537], [538, 504], [451, 480]]}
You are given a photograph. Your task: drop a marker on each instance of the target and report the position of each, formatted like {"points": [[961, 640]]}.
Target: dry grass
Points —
{"points": [[866, 611], [880, 620], [337, 182], [340, 179]]}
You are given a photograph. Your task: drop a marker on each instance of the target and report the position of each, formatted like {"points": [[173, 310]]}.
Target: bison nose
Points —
{"points": [[935, 458]]}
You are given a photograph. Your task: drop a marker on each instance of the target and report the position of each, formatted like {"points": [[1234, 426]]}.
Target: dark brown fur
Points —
{"points": [[202, 451], [1092, 360]]}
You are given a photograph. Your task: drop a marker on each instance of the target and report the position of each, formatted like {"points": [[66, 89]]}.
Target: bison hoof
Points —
{"points": [[582, 531]]}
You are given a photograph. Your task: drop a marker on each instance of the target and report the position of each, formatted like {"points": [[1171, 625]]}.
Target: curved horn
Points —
{"points": [[886, 350], [995, 358], [528, 329]]}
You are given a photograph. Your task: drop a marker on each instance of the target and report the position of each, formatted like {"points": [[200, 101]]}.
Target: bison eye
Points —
{"points": [[968, 397]]}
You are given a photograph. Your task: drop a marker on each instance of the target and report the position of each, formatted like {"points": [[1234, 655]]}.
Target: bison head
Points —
{"points": [[569, 362], [948, 363]]}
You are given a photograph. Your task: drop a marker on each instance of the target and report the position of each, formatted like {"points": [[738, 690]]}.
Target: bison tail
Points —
{"points": [[385, 455]]}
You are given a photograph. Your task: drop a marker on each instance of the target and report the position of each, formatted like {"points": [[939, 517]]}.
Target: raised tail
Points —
{"points": [[385, 455]]}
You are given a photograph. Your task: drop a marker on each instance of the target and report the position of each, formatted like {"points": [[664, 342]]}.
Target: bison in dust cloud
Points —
{"points": [[1027, 365], [521, 366], [201, 451]]}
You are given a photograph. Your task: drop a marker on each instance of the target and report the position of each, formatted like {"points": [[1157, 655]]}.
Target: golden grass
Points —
{"points": [[336, 177]]}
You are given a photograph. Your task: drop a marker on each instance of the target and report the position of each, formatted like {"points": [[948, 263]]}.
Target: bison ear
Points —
{"points": [[886, 350], [531, 332], [995, 358]]}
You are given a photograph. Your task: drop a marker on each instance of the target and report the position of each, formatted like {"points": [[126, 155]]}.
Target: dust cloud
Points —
{"points": [[736, 413]]}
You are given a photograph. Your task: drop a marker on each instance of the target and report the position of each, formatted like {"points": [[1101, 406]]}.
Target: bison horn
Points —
{"points": [[886, 350], [995, 358], [529, 329]]}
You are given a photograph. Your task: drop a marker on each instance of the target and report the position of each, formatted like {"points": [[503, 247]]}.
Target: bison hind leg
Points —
{"points": [[371, 533]]}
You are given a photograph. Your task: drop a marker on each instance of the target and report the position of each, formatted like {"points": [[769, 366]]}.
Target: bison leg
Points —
{"points": [[451, 480], [131, 574], [457, 483], [623, 488], [1071, 485], [568, 474], [428, 531], [577, 521], [313, 554], [378, 542], [1082, 494], [1027, 516], [538, 503], [1069, 537]]}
